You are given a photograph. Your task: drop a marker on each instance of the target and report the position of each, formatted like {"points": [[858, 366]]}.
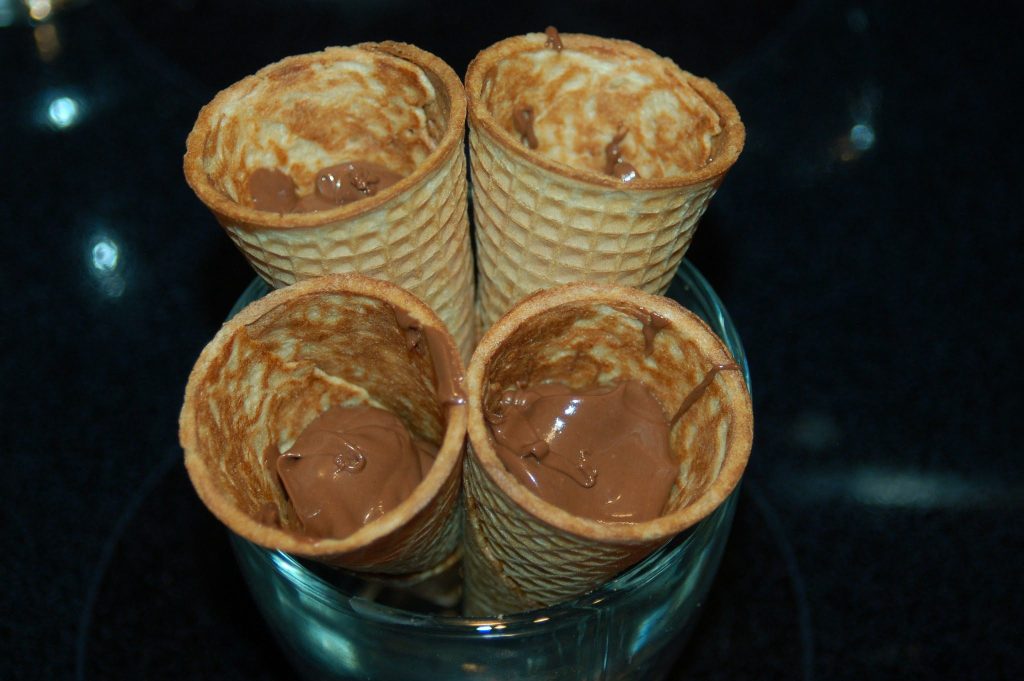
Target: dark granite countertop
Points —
{"points": [[865, 244]]}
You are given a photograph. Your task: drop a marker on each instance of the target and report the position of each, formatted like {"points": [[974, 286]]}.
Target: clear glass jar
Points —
{"points": [[632, 627]]}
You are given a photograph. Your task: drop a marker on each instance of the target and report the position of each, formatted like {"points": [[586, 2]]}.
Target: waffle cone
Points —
{"points": [[522, 552], [284, 359], [387, 103], [552, 215]]}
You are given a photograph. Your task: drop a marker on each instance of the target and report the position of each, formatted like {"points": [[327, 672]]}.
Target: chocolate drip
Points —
{"points": [[554, 40], [270, 455], [448, 378], [268, 514], [411, 327], [653, 323], [613, 161], [698, 390], [522, 120]]}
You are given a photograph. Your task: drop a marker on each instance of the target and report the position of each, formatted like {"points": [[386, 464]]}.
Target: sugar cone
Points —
{"points": [[522, 552], [282, 360], [553, 215], [387, 103]]}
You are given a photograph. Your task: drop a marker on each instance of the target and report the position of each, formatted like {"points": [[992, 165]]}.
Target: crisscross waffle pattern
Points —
{"points": [[515, 562], [552, 214], [536, 229], [418, 240]]}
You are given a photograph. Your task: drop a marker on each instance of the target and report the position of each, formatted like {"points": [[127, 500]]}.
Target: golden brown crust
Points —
{"points": [[728, 142], [387, 103], [270, 369], [551, 216], [684, 352], [395, 65]]}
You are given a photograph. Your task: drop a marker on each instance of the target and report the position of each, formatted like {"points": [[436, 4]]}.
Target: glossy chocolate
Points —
{"points": [[273, 190], [614, 164], [601, 453], [350, 466], [554, 40]]}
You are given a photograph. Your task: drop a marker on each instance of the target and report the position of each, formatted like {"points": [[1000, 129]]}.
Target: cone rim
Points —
{"points": [[254, 219], [647, 532], [733, 131], [447, 462]]}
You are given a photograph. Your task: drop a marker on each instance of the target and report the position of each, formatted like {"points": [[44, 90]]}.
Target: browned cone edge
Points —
{"points": [[436, 70], [651, 531], [729, 143], [446, 464]]}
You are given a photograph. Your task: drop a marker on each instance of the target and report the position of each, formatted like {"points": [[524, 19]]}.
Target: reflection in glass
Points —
{"points": [[39, 10], [30, 11], [857, 140], [106, 262], [104, 255], [47, 41], [63, 112], [8, 12], [862, 136], [903, 488]]}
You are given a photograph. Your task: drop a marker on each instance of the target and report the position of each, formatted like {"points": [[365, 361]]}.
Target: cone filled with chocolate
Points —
{"points": [[327, 420], [346, 160], [603, 421], [591, 159]]}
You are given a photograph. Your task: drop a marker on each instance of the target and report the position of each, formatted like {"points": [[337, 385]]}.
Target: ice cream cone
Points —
{"points": [[387, 103], [553, 214], [522, 552], [269, 371]]}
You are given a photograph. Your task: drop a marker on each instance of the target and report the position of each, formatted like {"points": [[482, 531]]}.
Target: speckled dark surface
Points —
{"points": [[872, 272]]}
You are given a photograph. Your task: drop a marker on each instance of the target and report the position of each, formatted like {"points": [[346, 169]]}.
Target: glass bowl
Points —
{"points": [[335, 626]]}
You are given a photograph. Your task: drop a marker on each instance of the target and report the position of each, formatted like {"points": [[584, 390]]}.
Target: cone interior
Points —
{"points": [[595, 88], [384, 103], [593, 342], [274, 368]]}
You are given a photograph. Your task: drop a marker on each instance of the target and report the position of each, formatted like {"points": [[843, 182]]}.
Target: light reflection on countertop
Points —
{"points": [[106, 263], [902, 488]]}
